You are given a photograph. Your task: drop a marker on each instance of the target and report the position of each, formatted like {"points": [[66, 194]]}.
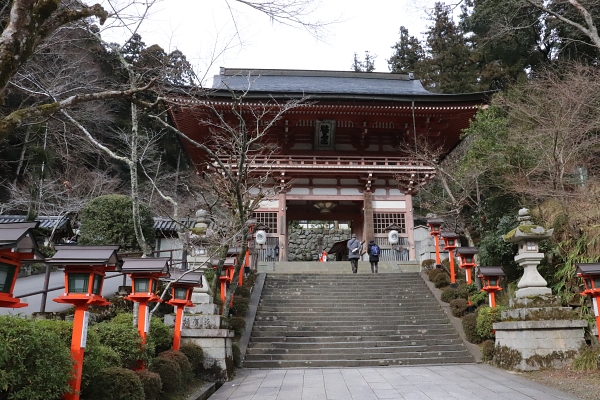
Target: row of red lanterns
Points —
{"points": [[85, 268], [490, 276]]}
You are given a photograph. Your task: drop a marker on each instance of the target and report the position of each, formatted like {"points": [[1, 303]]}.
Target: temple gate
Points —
{"points": [[343, 154]]}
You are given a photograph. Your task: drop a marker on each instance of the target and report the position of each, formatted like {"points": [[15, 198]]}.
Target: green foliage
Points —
{"points": [[441, 280], [368, 65], [151, 383], [494, 251], [120, 335], [428, 264], [408, 54], [240, 305], [478, 298], [109, 220], [237, 355], [486, 316], [469, 323], [242, 291], [459, 307], [449, 293], [487, 350], [432, 273], [116, 383], [237, 324], [195, 355], [35, 363], [160, 335], [183, 362], [170, 373], [587, 360]]}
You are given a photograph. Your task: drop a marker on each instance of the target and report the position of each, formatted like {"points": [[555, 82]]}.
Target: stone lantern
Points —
{"points": [[435, 226], [527, 236]]}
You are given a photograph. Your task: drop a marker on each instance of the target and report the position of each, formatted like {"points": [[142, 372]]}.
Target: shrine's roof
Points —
{"points": [[309, 82]]}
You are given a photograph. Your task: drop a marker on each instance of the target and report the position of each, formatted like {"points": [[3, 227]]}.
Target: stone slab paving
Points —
{"points": [[436, 382]]}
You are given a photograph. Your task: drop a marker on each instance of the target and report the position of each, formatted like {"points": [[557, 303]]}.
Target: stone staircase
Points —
{"points": [[335, 320]]}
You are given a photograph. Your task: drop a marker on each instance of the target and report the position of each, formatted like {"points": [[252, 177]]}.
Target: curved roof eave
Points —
{"points": [[430, 98]]}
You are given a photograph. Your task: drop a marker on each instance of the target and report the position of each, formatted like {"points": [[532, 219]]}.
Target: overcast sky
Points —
{"points": [[201, 28]]}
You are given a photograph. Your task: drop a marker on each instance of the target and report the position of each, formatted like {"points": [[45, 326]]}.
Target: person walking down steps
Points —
{"points": [[373, 252], [354, 247]]}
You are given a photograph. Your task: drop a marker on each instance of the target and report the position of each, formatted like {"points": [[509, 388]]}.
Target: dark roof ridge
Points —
{"points": [[316, 73]]}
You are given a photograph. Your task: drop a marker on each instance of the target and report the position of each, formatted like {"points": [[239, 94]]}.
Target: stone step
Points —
{"points": [[332, 320], [406, 331], [364, 338], [349, 345], [425, 359]]}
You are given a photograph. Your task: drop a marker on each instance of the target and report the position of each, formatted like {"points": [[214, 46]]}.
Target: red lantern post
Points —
{"points": [[181, 297], [490, 280], [450, 239], [17, 244], [467, 260], [85, 268], [144, 274], [590, 272], [435, 225]]}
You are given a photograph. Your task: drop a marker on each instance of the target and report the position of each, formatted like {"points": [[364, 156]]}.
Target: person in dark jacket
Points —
{"points": [[373, 252], [354, 252]]}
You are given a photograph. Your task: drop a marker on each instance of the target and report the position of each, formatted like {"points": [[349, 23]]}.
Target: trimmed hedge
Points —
{"points": [[459, 307], [184, 364], [195, 355], [487, 350], [441, 280], [120, 335], [151, 383], [469, 323], [486, 316], [170, 373], [116, 383]]}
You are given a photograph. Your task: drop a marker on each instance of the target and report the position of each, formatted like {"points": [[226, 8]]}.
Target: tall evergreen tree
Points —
{"points": [[408, 54], [368, 65], [449, 67]]}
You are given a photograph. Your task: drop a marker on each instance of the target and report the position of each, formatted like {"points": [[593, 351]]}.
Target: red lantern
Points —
{"points": [[590, 272], [467, 260], [450, 241], [17, 244], [435, 226], [490, 280], [181, 297]]}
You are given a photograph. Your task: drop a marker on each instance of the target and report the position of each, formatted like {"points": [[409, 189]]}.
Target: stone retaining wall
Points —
{"points": [[307, 244]]}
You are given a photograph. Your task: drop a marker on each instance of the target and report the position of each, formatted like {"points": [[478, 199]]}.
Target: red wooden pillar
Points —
{"points": [[435, 226], [450, 244]]}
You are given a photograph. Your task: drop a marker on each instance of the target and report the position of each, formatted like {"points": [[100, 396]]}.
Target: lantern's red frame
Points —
{"points": [[450, 243], [145, 274], [179, 300], [590, 273], [466, 256], [490, 281], [81, 263], [435, 227], [17, 245]]}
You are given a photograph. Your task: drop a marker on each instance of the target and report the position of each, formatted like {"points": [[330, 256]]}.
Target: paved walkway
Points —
{"points": [[440, 382]]}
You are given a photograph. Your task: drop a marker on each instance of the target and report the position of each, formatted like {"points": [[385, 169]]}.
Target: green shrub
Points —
{"points": [[160, 335], [459, 307], [151, 383], [250, 280], [170, 373], [184, 364], [237, 355], [240, 306], [195, 355], [116, 383], [478, 298], [587, 359], [449, 294], [242, 291], [487, 350], [237, 324], [428, 264], [35, 363], [432, 273], [441, 280], [124, 339], [469, 323], [486, 316], [108, 220]]}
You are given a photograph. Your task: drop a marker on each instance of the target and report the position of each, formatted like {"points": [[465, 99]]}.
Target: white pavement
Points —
{"points": [[437, 382]]}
